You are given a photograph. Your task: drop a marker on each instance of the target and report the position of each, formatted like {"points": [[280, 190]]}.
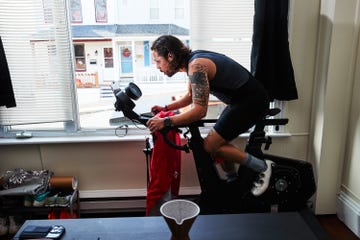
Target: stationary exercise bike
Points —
{"points": [[292, 182]]}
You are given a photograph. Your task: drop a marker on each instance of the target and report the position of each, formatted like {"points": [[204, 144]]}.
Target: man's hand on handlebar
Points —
{"points": [[156, 109], [155, 124]]}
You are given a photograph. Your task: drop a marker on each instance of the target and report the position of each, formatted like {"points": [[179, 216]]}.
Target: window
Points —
{"points": [[75, 10], [224, 27], [154, 10], [179, 9], [62, 81], [100, 11], [108, 58], [79, 50]]}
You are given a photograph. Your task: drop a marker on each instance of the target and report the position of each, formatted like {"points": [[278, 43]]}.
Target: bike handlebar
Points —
{"points": [[200, 123], [184, 147], [125, 104], [144, 118]]}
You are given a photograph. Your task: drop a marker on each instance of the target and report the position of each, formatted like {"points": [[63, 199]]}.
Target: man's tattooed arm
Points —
{"points": [[199, 85]]}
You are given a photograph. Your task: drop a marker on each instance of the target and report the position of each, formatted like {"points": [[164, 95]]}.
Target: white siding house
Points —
{"points": [[112, 38]]}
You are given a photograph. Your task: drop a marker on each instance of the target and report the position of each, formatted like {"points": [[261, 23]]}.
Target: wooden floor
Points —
{"points": [[335, 228]]}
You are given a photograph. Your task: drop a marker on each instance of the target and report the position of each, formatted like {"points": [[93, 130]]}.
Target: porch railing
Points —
{"points": [[151, 75]]}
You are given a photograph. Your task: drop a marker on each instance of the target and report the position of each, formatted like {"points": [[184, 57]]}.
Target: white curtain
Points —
{"points": [[224, 27], [37, 42]]}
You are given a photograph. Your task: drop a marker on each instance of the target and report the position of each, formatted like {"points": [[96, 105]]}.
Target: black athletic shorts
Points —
{"points": [[247, 107]]}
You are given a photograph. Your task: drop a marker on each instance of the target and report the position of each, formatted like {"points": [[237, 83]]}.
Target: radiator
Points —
{"points": [[348, 211]]}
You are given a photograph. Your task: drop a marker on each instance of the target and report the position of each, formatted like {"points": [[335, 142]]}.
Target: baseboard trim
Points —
{"points": [[121, 200], [113, 205], [348, 211], [112, 193], [141, 192]]}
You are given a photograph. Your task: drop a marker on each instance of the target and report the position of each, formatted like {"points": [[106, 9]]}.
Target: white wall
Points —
{"points": [[350, 175], [103, 169], [332, 98]]}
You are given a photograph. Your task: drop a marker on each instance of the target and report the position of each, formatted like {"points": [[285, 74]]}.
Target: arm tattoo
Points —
{"points": [[200, 86]]}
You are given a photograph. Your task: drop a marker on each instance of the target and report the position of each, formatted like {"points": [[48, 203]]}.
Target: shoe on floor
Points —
{"points": [[39, 200], [63, 201], [28, 201], [262, 183], [51, 201], [4, 226], [15, 223]]}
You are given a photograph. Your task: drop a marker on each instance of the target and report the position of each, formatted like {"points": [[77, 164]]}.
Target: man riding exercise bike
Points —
{"points": [[214, 73]]}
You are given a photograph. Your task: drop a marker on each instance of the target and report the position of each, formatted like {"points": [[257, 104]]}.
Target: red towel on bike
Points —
{"points": [[165, 166]]}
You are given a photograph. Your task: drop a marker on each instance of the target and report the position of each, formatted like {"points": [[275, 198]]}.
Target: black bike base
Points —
{"points": [[292, 184]]}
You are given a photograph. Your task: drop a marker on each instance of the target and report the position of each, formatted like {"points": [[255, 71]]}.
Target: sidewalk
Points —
{"points": [[90, 101], [97, 112]]}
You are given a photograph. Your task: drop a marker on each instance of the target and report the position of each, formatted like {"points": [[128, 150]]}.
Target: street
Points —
{"points": [[96, 111]]}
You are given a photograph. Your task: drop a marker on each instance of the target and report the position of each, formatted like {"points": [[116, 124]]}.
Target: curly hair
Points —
{"points": [[168, 44]]}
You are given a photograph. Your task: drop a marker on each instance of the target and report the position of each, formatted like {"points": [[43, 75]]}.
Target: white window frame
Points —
{"points": [[72, 128]]}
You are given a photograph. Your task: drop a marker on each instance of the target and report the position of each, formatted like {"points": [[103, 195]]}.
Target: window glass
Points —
{"points": [[154, 9], [179, 9], [75, 10], [117, 50], [80, 64], [108, 58], [100, 11]]}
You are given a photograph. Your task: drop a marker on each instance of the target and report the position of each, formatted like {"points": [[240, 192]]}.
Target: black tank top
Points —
{"points": [[229, 77]]}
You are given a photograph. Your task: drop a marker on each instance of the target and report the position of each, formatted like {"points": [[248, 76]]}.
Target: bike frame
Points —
{"points": [[291, 185]]}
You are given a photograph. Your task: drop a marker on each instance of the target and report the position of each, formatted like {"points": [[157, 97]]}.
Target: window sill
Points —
{"points": [[72, 139], [90, 139]]}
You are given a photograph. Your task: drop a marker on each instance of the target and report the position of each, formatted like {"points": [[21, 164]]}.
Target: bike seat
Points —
{"points": [[266, 121], [272, 112]]}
